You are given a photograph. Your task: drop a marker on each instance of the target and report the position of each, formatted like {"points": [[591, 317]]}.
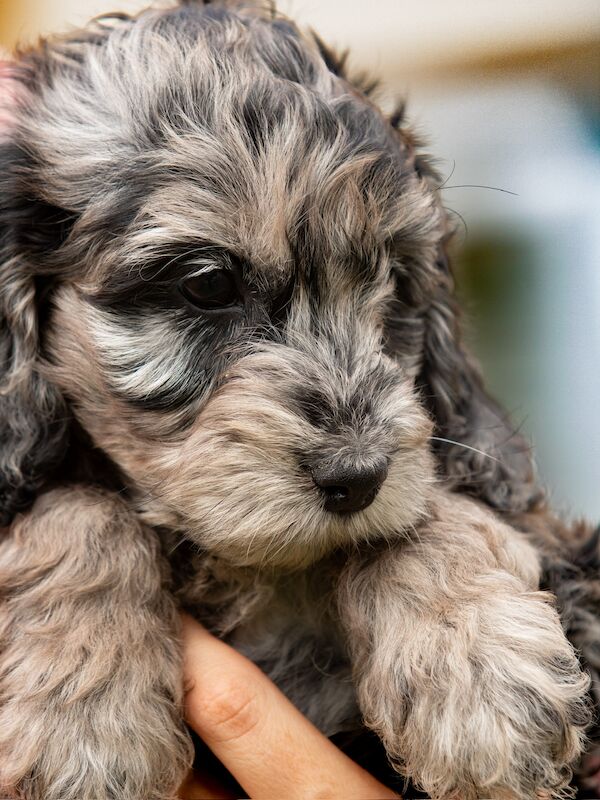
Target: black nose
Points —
{"points": [[346, 490]]}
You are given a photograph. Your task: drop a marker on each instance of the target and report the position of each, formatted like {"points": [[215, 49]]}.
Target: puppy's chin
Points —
{"points": [[271, 522]]}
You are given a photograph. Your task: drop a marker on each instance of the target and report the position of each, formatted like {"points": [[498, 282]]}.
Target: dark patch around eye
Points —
{"points": [[154, 288], [154, 285], [204, 343]]}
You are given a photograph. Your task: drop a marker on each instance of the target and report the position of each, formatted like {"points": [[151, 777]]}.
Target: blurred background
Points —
{"points": [[507, 95]]}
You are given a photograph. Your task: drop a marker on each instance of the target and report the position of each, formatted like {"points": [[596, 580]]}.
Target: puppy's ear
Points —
{"points": [[478, 449], [33, 415], [483, 453]]}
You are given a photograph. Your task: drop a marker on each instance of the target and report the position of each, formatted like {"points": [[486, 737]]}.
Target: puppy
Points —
{"points": [[233, 382]]}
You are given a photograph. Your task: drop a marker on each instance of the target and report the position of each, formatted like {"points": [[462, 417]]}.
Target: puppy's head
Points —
{"points": [[228, 267]]}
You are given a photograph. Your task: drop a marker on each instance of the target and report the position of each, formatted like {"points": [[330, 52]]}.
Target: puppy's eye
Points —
{"points": [[211, 290]]}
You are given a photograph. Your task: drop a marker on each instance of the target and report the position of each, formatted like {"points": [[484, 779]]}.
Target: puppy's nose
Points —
{"points": [[346, 490]]}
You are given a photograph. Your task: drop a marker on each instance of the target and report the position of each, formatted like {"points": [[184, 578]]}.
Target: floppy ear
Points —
{"points": [[33, 415], [478, 449], [483, 454]]}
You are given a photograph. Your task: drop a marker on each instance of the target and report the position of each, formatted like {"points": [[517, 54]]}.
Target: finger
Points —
{"points": [[264, 741]]}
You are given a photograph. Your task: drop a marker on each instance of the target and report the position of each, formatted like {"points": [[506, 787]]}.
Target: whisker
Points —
{"points": [[449, 176], [466, 446], [462, 219], [480, 186]]}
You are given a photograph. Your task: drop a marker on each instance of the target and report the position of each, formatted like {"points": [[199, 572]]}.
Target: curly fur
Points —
{"points": [[465, 634], [154, 456], [90, 663]]}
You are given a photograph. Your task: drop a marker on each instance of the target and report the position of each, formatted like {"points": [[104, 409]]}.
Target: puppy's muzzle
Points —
{"points": [[347, 489]]}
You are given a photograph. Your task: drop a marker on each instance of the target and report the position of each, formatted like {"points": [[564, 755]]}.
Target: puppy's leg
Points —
{"points": [[462, 667], [90, 672]]}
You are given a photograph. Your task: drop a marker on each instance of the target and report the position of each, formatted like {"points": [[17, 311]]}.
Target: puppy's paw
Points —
{"points": [[490, 702], [90, 660], [97, 748]]}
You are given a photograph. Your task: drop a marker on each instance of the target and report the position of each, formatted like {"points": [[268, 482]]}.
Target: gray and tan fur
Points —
{"points": [[158, 452]]}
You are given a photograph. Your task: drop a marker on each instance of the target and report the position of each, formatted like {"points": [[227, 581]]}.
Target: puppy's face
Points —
{"points": [[242, 215]]}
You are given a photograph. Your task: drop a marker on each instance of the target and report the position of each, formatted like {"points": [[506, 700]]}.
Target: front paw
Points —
{"points": [[108, 747], [90, 663], [489, 706]]}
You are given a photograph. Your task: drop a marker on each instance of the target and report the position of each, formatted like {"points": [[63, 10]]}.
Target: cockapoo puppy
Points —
{"points": [[232, 382]]}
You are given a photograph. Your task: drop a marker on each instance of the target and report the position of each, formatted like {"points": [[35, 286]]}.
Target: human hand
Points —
{"points": [[255, 731]]}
